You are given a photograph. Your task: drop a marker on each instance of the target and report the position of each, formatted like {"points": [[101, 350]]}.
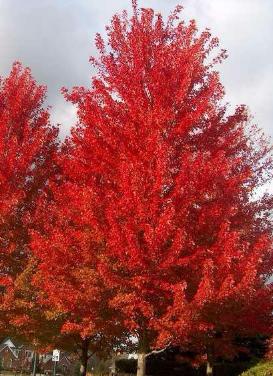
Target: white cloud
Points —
{"points": [[55, 38]]}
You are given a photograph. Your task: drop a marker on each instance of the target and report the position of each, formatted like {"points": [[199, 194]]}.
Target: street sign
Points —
{"points": [[56, 355]]}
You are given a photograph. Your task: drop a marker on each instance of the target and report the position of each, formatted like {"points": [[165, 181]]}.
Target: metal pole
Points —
{"points": [[54, 369], [34, 364]]}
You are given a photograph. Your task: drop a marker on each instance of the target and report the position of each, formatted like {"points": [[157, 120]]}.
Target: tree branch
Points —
{"points": [[157, 351]]}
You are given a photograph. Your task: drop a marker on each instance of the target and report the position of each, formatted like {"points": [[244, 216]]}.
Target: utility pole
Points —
{"points": [[55, 359]]}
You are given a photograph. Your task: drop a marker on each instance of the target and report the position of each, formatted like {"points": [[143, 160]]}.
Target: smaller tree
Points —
{"points": [[28, 143]]}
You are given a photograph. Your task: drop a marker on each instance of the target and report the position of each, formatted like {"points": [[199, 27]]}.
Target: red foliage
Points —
{"points": [[153, 219], [27, 145], [174, 180], [68, 248]]}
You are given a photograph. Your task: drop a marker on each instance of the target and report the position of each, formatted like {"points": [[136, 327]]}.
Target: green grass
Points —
{"points": [[260, 369]]}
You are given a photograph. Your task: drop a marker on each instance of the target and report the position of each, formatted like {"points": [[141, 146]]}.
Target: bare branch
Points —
{"points": [[157, 351]]}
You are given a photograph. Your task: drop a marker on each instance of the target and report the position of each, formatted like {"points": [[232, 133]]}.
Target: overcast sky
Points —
{"points": [[55, 39]]}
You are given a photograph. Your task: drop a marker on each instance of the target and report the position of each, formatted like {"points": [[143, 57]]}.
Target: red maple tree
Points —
{"points": [[173, 180], [27, 144]]}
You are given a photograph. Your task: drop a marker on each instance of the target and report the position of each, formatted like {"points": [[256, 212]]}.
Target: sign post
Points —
{"points": [[55, 359], [34, 364]]}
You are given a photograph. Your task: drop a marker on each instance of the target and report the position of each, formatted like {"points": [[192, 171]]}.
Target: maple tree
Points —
{"points": [[27, 145], [173, 178]]}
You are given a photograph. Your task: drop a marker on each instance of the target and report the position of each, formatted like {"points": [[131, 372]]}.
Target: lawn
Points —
{"points": [[260, 369]]}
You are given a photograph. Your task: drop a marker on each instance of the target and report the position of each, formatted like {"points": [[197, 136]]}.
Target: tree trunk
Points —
{"points": [[84, 357], [34, 364], [141, 364], [113, 366], [209, 368]]}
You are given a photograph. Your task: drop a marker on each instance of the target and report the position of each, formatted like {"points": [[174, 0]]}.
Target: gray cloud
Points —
{"points": [[55, 38]]}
